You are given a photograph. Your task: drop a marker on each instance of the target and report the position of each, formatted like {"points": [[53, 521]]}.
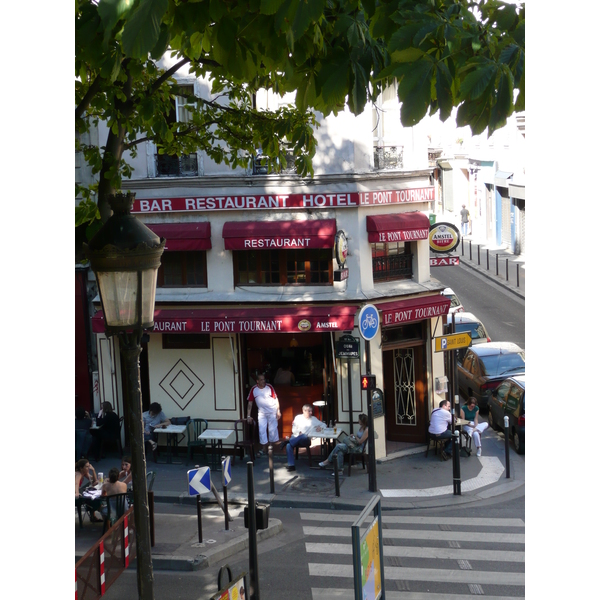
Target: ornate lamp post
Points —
{"points": [[125, 256]]}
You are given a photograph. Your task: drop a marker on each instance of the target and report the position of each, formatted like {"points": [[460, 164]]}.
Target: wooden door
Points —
{"points": [[404, 375]]}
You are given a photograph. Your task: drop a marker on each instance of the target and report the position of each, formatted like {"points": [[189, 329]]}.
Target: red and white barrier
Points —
{"points": [[102, 577], [126, 539]]}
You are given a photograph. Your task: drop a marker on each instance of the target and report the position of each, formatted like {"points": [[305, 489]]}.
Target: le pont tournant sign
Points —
{"points": [[284, 201]]}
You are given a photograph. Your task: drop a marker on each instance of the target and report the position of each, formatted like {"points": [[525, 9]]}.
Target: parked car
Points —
{"points": [[455, 303], [485, 366], [466, 321], [509, 400]]}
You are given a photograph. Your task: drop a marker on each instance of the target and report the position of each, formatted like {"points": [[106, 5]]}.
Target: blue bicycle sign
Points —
{"points": [[368, 322]]}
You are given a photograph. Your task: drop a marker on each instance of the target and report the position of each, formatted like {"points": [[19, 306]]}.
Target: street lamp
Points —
{"points": [[125, 256]]}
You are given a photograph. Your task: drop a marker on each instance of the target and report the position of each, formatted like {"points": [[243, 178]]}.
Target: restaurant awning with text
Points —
{"points": [[398, 227], [413, 309], [279, 235], [268, 319]]}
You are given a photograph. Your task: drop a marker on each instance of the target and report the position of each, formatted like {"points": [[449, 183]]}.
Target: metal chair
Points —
{"points": [[195, 427], [244, 438], [116, 506], [438, 443], [308, 453], [150, 477], [116, 440]]}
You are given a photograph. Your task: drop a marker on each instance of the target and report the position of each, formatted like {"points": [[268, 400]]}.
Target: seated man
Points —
{"points": [[154, 417], [302, 427], [441, 419]]}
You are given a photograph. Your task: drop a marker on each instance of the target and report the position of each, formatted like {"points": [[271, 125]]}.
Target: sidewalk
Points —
{"points": [[480, 255], [405, 480]]}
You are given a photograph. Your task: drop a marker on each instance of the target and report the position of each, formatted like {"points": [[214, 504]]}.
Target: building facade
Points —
{"points": [[268, 271]]}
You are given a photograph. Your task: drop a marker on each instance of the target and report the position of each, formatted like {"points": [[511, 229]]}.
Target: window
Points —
{"points": [[187, 164], [391, 261], [283, 267], [180, 269]]}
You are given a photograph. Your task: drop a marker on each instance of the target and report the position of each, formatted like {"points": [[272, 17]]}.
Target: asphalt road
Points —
{"points": [[501, 311]]}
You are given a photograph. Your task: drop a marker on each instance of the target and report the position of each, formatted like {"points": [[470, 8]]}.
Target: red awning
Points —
{"points": [[264, 235], [183, 236], [294, 319], [398, 227], [413, 309]]}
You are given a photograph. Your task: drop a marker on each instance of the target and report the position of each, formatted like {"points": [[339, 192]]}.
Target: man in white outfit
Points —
{"points": [[268, 412], [303, 427]]}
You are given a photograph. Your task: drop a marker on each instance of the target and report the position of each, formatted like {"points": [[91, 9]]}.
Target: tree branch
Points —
{"points": [[87, 98]]}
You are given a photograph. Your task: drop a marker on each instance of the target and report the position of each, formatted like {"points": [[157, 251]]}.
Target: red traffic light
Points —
{"points": [[367, 382]]}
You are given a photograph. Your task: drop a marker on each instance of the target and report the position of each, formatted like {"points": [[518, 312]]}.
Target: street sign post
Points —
{"points": [[198, 483], [453, 341], [226, 469]]}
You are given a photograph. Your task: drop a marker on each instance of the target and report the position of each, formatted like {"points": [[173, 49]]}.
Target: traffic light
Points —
{"points": [[367, 382]]}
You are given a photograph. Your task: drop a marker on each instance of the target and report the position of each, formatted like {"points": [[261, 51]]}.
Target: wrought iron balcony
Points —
{"points": [[176, 166], [433, 154], [388, 157], [393, 266], [260, 164]]}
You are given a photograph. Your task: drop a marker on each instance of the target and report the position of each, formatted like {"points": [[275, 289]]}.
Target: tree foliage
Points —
{"points": [[331, 53]]}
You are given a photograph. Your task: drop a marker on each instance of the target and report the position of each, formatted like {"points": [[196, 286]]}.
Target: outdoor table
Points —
{"points": [[216, 437], [172, 432], [460, 423], [327, 434]]}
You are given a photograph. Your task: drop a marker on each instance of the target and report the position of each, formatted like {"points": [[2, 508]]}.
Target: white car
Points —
{"points": [[466, 321], [455, 303]]}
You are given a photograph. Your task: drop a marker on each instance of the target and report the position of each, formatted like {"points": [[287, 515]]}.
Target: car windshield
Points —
{"points": [[454, 301], [498, 364], [475, 329]]}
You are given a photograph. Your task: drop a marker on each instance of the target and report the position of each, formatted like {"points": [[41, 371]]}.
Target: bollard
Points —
{"points": [[506, 442], [496, 265], [488, 259], [518, 274], [470, 250], [254, 593], [507, 269], [462, 245], [478, 257], [199, 518], [336, 473], [456, 463], [271, 472]]}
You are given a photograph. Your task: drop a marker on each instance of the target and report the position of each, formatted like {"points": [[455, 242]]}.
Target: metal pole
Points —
{"points": [[518, 274], [488, 259], [151, 510], [478, 256], [199, 511], [496, 265], [456, 463], [462, 245], [506, 448], [271, 473], [226, 511], [470, 250], [371, 436], [507, 269], [254, 592], [351, 415], [336, 473], [455, 404], [130, 346]]}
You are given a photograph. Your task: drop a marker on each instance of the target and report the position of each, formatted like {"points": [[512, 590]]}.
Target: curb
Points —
{"points": [[210, 557], [493, 278]]}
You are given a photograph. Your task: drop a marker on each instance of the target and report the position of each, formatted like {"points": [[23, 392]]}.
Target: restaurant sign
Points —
{"points": [[276, 201], [443, 237], [445, 261]]}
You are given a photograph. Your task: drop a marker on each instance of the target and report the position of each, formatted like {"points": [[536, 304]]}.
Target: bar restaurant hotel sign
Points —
{"points": [[277, 201]]}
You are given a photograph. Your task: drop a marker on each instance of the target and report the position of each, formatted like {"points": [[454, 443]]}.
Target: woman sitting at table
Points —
{"points": [[125, 474], [470, 412], [353, 443], [109, 427], [112, 487], [84, 476]]}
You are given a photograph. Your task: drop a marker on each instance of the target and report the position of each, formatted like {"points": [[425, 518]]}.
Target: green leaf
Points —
{"points": [[307, 11], [443, 88], [414, 91], [270, 7], [142, 29], [408, 55], [475, 83], [111, 11]]}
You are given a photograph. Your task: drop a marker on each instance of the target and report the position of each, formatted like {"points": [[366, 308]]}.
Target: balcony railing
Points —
{"points": [[433, 154], [388, 157], [260, 164], [393, 266], [176, 166]]}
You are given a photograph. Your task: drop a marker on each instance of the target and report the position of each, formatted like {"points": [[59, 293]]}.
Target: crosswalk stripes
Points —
{"points": [[457, 557]]}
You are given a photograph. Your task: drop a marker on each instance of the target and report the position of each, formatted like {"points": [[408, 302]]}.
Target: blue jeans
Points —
{"points": [[300, 440], [338, 453], [442, 436], [464, 228]]}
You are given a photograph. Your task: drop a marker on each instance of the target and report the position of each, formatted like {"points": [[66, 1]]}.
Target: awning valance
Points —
{"points": [[413, 309], [268, 319], [183, 236], [398, 227], [284, 235]]}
